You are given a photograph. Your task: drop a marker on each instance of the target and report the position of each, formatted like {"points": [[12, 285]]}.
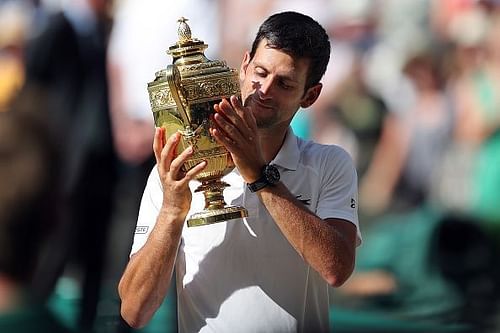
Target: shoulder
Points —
{"points": [[153, 180], [313, 153], [153, 190], [151, 200]]}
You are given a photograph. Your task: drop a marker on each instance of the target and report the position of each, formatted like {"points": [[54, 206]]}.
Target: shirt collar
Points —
{"points": [[289, 154]]}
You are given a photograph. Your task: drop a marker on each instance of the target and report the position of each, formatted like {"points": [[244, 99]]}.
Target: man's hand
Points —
{"points": [[175, 182], [235, 127]]}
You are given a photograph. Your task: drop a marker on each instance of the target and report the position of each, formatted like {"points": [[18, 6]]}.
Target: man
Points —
{"points": [[268, 272], [28, 211], [68, 58]]}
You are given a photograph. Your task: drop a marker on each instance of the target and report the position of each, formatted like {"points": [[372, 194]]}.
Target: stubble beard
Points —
{"points": [[262, 123], [265, 123]]}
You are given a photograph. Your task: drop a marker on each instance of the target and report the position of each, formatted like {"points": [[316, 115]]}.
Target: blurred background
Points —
{"points": [[412, 92]]}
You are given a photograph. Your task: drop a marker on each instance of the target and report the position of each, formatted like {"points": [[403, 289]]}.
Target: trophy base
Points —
{"points": [[216, 215]]}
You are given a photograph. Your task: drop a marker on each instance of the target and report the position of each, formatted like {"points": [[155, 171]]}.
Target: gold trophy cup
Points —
{"points": [[182, 97]]}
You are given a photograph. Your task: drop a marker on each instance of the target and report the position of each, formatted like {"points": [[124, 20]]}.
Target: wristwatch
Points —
{"points": [[270, 176]]}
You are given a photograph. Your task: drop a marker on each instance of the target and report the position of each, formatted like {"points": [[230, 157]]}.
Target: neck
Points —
{"points": [[10, 294], [273, 138]]}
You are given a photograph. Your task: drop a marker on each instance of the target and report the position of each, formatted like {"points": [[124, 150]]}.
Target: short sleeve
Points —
{"points": [[338, 197]]}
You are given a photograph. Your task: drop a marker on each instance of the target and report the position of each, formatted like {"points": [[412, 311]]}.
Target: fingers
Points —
{"points": [[176, 172], [172, 165], [231, 121], [238, 107], [229, 111], [244, 113], [226, 128], [165, 151], [223, 139], [158, 143], [245, 116], [176, 164], [191, 174]]}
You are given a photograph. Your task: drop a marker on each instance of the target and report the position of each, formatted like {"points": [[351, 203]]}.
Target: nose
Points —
{"points": [[265, 88]]}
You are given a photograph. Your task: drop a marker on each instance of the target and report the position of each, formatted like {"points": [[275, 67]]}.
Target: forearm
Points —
{"points": [[325, 247], [147, 277]]}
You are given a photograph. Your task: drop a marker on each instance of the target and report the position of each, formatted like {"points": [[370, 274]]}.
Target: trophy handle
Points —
{"points": [[173, 79]]}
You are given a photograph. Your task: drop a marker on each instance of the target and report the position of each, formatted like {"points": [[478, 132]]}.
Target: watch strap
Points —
{"points": [[269, 176]]}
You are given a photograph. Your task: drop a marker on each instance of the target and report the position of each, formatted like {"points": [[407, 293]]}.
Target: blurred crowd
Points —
{"points": [[412, 92]]}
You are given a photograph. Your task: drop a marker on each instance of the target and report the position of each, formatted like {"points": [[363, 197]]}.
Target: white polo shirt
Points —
{"points": [[243, 275]]}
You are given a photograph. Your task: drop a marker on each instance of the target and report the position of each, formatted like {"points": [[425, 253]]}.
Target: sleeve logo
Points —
{"points": [[141, 230], [353, 203]]}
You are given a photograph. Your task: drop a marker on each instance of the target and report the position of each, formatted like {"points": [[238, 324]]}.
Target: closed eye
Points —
{"points": [[285, 86], [260, 73]]}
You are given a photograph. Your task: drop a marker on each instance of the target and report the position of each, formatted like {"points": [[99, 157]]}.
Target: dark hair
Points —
{"points": [[299, 36]]}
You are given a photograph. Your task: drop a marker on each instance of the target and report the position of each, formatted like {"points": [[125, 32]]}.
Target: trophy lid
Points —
{"points": [[189, 51], [199, 79], [186, 45]]}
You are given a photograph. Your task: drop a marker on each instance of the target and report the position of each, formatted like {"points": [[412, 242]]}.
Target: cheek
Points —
{"points": [[290, 104], [245, 91], [246, 86]]}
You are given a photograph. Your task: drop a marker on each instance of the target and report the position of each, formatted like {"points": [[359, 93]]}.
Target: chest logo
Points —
{"points": [[306, 202]]}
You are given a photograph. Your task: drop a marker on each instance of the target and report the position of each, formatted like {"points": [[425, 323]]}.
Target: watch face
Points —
{"points": [[272, 174]]}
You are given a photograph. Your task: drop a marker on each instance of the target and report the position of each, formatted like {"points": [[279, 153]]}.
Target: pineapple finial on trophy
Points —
{"points": [[184, 31]]}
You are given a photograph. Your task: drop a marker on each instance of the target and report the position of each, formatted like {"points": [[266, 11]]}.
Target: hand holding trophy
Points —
{"points": [[182, 97]]}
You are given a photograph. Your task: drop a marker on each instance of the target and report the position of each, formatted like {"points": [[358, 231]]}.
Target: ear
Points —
{"points": [[244, 65], [311, 95]]}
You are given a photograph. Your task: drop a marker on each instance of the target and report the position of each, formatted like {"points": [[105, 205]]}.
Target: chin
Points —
{"points": [[265, 123]]}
